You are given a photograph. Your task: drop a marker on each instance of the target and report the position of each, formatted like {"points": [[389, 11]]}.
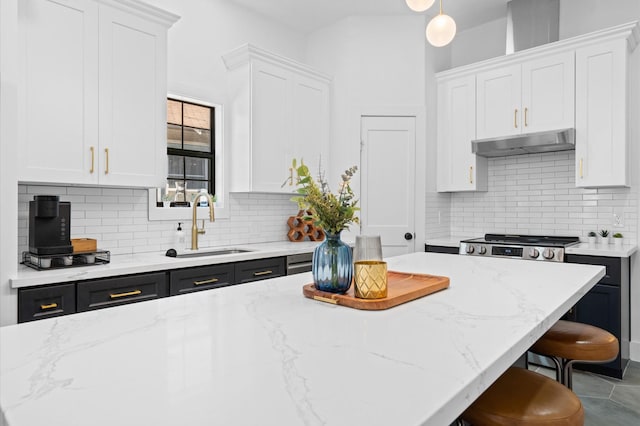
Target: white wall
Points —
{"points": [[584, 16], [378, 65], [479, 43], [8, 184], [576, 17], [207, 29]]}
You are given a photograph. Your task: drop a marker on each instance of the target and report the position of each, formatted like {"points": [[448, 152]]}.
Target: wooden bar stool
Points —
{"points": [[525, 398], [568, 342]]}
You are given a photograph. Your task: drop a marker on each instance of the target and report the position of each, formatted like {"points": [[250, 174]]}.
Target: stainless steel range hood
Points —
{"points": [[561, 140]]}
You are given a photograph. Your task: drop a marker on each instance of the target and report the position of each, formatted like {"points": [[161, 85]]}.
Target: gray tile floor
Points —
{"points": [[607, 401]]}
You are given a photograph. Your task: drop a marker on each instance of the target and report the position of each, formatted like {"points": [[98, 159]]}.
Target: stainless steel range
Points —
{"points": [[527, 247]]}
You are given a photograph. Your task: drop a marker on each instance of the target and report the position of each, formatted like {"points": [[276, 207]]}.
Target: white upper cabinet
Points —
{"points": [[601, 115], [458, 168], [498, 103], [279, 110], [526, 97], [92, 98], [579, 83]]}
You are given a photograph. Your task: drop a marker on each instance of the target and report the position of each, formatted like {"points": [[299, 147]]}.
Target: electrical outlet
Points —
{"points": [[617, 221]]}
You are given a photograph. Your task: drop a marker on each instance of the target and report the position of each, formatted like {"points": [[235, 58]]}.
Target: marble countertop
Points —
{"points": [[150, 262], [261, 353], [598, 249], [590, 249]]}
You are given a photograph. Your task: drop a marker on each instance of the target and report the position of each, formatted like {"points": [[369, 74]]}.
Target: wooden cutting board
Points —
{"points": [[401, 287]]}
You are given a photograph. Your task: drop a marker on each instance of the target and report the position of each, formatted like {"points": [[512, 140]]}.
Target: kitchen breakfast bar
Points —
{"points": [[262, 354]]}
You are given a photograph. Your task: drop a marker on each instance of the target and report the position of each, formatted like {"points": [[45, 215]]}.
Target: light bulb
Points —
{"points": [[441, 30], [419, 5]]}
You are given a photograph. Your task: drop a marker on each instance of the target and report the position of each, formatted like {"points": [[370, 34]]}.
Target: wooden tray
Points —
{"points": [[401, 288]]}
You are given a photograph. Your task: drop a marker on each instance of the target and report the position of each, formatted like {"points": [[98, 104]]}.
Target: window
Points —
{"points": [[190, 149]]}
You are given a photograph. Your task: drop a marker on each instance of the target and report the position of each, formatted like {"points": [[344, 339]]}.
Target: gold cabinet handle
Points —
{"points": [[211, 281], [257, 274], [49, 306], [106, 153], [515, 118], [128, 293], [470, 174], [526, 110], [581, 168], [93, 157]]}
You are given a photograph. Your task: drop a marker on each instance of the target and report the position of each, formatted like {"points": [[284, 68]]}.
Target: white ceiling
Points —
{"points": [[310, 15]]}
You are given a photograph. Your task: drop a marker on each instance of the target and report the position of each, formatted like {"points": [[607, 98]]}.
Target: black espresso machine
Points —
{"points": [[49, 226]]}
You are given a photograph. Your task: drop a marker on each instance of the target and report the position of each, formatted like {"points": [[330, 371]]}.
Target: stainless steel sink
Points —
{"points": [[218, 252]]}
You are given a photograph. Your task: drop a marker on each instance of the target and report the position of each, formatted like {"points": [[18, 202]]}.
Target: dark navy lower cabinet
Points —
{"points": [[606, 306], [115, 291], [46, 302], [260, 269], [440, 249], [200, 278]]}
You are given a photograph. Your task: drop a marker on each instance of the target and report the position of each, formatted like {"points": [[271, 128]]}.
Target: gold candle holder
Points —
{"points": [[370, 279]]}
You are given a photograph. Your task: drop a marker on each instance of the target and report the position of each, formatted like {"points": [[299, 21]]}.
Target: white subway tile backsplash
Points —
{"points": [[536, 193], [118, 219]]}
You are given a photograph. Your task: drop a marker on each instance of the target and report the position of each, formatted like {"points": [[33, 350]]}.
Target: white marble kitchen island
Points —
{"points": [[262, 354]]}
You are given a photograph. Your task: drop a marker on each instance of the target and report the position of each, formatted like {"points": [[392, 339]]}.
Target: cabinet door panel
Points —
{"points": [[548, 93], [254, 270], [601, 308], [601, 146], [613, 266], [120, 290], [272, 151], [458, 168], [203, 278], [46, 302], [132, 100], [498, 102], [58, 90], [310, 137]]}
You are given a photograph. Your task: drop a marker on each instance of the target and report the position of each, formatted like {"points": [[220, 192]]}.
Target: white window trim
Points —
{"points": [[222, 209]]}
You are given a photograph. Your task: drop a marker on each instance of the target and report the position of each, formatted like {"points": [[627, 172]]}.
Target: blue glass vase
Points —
{"points": [[332, 265]]}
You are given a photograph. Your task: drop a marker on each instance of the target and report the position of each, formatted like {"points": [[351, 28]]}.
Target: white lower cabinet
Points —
{"points": [[279, 111], [92, 96], [458, 168], [601, 115]]}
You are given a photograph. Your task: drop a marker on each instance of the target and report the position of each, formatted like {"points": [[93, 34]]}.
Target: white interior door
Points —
{"points": [[387, 158]]}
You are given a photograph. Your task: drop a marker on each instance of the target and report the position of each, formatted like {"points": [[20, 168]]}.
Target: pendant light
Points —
{"points": [[419, 5], [441, 30]]}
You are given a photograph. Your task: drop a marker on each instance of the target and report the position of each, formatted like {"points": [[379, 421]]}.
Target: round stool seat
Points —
{"points": [[576, 341], [522, 397]]}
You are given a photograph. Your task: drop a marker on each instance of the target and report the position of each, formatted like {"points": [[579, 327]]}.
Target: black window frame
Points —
{"points": [[184, 153]]}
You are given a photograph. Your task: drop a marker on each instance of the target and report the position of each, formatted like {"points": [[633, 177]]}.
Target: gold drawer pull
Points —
{"points": [[93, 157], [257, 274], [128, 293], [526, 110], [211, 281], [581, 176], [515, 118], [49, 306], [106, 153]]}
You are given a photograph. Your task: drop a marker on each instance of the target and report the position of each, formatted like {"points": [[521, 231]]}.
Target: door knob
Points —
{"points": [[408, 236]]}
